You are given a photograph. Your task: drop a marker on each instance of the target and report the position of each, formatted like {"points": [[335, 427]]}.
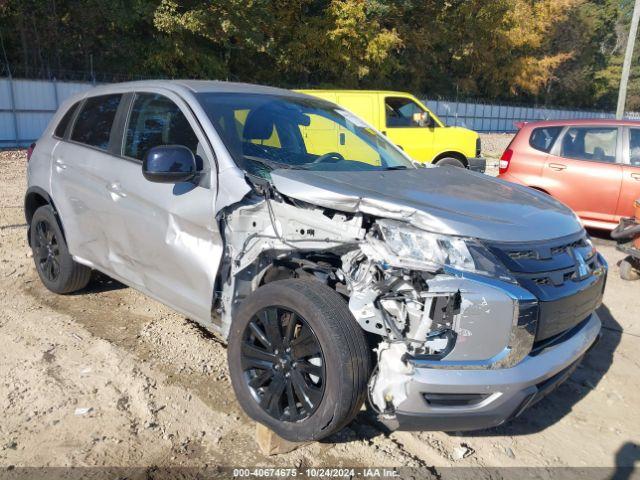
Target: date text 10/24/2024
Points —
{"points": [[316, 472]]}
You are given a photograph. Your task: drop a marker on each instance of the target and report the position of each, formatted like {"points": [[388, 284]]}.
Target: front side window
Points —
{"points": [[634, 146], [543, 138], [404, 112], [94, 122], [155, 120], [264, 132], [597, 144], [64, 122]]}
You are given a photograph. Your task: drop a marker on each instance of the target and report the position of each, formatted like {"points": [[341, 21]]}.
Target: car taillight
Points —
{"points": [[30, 151], [505, 160]]}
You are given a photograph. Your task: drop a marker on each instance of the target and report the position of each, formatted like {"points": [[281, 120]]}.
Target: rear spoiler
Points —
{"points": [[519, 124]]}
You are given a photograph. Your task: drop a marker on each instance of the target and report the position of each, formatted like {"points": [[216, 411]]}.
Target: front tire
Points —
{"points": [[58, 271], [298, 360]]}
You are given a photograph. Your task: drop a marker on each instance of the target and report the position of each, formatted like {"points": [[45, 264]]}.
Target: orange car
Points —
{"points": [[593, 166]]}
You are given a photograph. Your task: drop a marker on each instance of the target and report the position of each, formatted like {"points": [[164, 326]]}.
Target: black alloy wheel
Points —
{"points": [[47, 251], [299, 362], [57, 269], [283, 364]]}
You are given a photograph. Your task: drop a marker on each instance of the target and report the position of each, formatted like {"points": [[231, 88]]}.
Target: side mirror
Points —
{"points": [[423, 119], [169, 164]]}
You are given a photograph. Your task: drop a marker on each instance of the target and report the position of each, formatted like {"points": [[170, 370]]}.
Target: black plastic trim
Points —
{"points": [[477, 164]]}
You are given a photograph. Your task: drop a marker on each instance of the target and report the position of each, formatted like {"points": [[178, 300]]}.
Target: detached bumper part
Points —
{"points": [[457, 400], [477, 164]]}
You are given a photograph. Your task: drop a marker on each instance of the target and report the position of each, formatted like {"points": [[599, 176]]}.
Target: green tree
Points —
{"points": [[563, 52]]}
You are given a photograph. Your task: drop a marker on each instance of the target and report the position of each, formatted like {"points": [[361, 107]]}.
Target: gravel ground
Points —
{"points": [[109, 377], [493, 145]]}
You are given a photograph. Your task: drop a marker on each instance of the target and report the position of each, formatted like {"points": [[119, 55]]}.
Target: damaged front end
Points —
{"points": [[426, 299], [437, 301]]}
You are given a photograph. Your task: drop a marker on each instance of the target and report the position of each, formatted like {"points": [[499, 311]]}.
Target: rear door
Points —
{"points": [[406, 125], [170, 246], [584, 171], [78, 179], [630, 190]]}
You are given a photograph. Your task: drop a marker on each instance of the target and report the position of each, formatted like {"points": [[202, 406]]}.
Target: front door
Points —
{"points": [[584, 171], [171, 237], [410, 127]]}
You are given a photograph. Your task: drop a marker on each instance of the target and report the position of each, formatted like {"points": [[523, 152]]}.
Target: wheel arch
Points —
{"points": [[35, 198], [540, 189]]}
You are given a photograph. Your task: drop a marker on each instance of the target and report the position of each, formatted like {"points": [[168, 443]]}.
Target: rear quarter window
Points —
{"points": [[94, 122], [543, 138], [61, 128]]}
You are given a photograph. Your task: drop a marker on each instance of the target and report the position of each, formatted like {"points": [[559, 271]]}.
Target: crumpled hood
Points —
{"points": [[446, 200]]}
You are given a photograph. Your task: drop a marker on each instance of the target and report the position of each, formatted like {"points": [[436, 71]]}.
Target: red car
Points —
{"points": [[593, 166]]}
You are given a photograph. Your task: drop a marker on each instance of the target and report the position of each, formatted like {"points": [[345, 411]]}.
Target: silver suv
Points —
{"points": [[335, 268]]}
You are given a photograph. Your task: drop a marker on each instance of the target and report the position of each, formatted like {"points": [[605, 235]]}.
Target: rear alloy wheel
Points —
{"points": [[298, 360], [47, 251], [56, 268]]}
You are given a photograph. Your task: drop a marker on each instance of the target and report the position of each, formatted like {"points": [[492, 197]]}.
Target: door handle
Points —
{"points": [[60, 164], [116, 189], [636, 176], [557, 166]]}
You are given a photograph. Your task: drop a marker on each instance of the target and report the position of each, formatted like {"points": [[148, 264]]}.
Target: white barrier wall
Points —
{"points": [[26, 106], [483, 117]]}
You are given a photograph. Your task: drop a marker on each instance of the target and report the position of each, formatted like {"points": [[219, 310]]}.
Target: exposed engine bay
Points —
{"points": [[406, 310]]}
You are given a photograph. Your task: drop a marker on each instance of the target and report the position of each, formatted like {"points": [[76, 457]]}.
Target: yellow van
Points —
{"points": [[410, 125]]}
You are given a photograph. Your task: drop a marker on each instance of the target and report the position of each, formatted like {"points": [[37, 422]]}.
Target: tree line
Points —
{"points": [[551, 52]]}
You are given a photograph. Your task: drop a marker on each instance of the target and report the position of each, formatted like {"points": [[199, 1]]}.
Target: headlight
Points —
{"points": [[435, 251]]}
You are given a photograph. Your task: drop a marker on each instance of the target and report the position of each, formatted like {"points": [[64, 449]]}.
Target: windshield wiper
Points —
{"points": [[397, 167], [272, 164]]}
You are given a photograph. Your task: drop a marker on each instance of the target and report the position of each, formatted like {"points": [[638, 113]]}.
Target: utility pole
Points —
{"points": [[628, 56]]}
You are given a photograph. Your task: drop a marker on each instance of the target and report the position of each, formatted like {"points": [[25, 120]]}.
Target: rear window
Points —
{"points": [[543, 138], [64, 123], [94, 122]]}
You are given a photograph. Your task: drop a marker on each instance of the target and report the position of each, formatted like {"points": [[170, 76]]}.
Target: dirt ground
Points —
{"points": [[109, 377]]}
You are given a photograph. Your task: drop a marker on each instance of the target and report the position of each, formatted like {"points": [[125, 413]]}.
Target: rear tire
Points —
{"points": [[454, 162], [629, 269], [58, 271], [303, 385]]}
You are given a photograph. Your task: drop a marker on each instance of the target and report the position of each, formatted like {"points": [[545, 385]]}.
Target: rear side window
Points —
{"points": [[64, 123], [94, 122], [155, 120], [590, 143], [543, 138]]}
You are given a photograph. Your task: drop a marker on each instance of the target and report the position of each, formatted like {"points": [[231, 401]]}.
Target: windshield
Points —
{"points": [[265, 132]]}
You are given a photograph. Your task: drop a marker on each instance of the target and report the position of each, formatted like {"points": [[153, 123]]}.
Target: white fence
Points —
{"points": [[483, 117], [26, 106]]}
